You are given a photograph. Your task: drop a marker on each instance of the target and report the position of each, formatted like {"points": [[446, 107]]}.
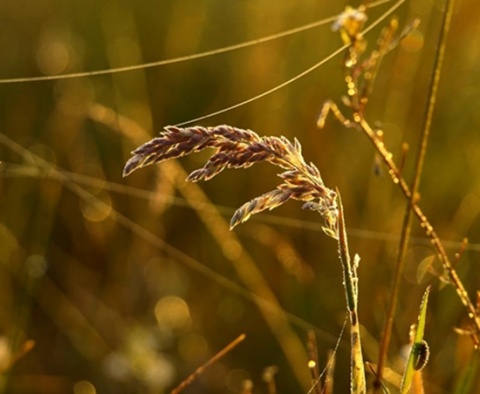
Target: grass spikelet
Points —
{"points": [[238, 148]]}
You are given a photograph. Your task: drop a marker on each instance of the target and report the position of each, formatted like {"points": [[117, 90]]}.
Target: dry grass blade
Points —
{"points": [[202, 368], [238, 148]]}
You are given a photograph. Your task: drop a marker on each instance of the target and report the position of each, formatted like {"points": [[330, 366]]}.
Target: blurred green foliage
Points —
{"points": [[112, 310]]}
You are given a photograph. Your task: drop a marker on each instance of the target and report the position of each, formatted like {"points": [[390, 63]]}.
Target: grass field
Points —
{"points": [[112, 284]]}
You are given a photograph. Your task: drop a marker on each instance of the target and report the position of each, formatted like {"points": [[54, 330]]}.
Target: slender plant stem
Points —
{"points": [[185, 383], [426, 225], [350, 281], [420, 158]]}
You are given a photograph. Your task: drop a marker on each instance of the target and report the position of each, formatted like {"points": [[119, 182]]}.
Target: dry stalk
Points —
{"points": [[350, 282], [420, 158], [427, 226], [185, 383], [359, 76]]}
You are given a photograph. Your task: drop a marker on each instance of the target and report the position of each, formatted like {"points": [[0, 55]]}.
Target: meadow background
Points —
{"points": [[90, 269]]}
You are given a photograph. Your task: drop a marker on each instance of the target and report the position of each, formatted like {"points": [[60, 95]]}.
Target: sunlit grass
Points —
{"points": [[92, 263]]}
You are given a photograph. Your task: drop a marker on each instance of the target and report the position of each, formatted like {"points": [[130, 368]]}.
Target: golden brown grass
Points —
{"points": [[237, 148], [87, 255]]}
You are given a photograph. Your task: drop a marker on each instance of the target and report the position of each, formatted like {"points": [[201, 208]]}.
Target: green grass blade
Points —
{"points": [[419, 351]]}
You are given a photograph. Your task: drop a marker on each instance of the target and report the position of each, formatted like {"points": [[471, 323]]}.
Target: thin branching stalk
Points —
{"points": [[355, 68], [422, 149], [426, 225]]}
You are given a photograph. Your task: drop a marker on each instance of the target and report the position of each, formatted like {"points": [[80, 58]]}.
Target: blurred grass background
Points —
{"points": [[109, 307]]}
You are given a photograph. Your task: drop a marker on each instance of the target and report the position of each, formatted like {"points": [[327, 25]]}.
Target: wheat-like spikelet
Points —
{"points": [[238, 148]]}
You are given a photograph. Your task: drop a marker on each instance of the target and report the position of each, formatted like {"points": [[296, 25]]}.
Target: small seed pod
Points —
{"points": [[421, 353]]}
